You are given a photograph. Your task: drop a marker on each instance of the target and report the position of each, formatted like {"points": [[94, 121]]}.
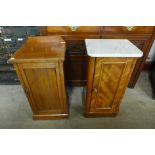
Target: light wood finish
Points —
{"points": [[107, 81], [39, 65], [76, 57]]}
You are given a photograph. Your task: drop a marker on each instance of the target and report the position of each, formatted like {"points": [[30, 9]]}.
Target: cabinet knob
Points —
{"points": [[8, 61], [74, 28], [95, 90], [130, 28]]}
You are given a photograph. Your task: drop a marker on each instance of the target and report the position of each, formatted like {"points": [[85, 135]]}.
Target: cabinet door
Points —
{"points": [[41, 82], [110, 80]]}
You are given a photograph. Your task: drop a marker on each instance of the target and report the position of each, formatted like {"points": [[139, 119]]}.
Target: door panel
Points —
{"points": [[42, 84], [110, 76]]}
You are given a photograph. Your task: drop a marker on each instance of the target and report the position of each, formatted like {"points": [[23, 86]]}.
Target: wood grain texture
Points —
{"points": [[67, 29], [43, 86], [123, 29], [41, 49], [90, 78], [106, 86], [141, 36], [42, 77]]}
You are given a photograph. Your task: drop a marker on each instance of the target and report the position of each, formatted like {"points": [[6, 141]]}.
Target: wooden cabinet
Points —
{"points": [[107, 81], [108, 75], [141, 36], [39, 65], [76, 56]]}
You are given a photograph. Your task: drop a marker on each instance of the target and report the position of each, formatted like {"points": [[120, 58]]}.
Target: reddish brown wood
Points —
{"points": [[67, 30], [39, 66], [124, 30], [141, 36], [107, 81]]}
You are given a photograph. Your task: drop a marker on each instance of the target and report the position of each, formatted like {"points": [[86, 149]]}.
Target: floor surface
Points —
{"points": [[137, 110]]}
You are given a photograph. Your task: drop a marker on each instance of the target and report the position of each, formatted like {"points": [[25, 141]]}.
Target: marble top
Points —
{"points": [[112, 48]]}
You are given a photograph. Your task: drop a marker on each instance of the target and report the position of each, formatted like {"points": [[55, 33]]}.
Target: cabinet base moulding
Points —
{"points": [[50, 116], [91, 115], [96, 114]]}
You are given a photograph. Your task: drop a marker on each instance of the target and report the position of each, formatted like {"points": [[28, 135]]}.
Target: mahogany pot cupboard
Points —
{"points": [[111, 62], [39, 66], [76, 61]]}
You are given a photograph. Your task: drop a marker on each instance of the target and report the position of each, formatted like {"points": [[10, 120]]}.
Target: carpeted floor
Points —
{"points": [[137, 110]]}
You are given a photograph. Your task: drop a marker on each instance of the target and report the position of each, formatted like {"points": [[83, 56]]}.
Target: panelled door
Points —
{"points": [[41, 82], [110, 80]]}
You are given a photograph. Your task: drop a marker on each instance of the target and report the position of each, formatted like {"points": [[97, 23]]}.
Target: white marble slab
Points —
{"points": [[112, 48]]}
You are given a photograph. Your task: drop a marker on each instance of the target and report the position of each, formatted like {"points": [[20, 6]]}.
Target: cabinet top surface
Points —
{"points": [[112, 48], [40, 48]]}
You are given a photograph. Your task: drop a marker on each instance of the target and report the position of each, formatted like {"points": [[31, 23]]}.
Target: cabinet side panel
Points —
{"points": [[90, 78], [61, 85], [18, 68]]}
